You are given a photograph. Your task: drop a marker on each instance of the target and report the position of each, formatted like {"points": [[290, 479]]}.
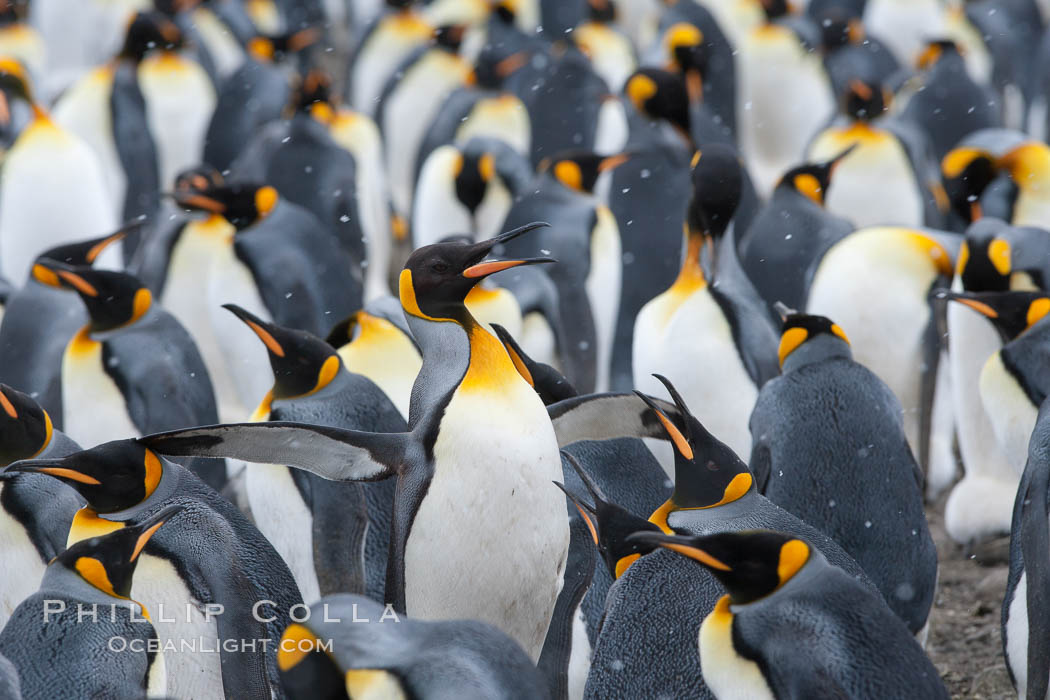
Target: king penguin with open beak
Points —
{"points": [[479, 531]]}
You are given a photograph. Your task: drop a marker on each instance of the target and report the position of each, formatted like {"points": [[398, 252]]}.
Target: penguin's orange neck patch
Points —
{"points": [[86, 524], [490, 366], [82, 343]]}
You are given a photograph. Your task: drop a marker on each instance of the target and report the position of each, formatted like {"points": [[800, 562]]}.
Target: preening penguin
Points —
{"points": [[133, 369], [209, 554], [62, 622], [376, 651], [474, 424], [38, 323], [334, 536], [52, 185], [717, 349], [784, 243], [35, 511], [779, 589], [826, 426]]}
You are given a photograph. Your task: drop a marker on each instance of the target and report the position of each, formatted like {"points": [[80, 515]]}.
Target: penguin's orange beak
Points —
{"points": [[484, 269]]}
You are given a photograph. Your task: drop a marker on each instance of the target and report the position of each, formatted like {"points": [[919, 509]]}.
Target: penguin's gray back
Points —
{"points": [[821, 431]]}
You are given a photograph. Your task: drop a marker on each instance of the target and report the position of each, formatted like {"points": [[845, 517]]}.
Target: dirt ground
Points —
{"points": [[964, 642]]}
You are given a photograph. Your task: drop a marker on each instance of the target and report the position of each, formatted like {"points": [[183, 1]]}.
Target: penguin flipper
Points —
{"points": [[332, 453], [609, 416]]}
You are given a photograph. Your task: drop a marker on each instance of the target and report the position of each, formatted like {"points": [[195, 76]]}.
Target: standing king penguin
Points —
{"points": [[480, 447], [829, 447]]}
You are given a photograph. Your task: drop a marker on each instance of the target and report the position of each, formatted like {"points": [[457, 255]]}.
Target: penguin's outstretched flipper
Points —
{"points": [[331, 453], [608, 416]]}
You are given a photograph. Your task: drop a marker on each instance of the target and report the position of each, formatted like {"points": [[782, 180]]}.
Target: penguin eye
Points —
{"points": [[439, 267]]}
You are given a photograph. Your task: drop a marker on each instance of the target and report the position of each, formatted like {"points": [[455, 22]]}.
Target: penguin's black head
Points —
{"points": [[659, 94], [14, 82], [813, 179], [25, 427], [12, 12], [268, 49], [706, 472], [472, 172], [437, 278], [718, 183], [198, 179], [400, 4], [302, 363], [751, 564], [967, 172], [601, 11], [108, 562], [549, 383], [579, 170], [838, 28], [1011, 312], [313, 95], [686, 48], [242, 204], [450, 36], [801, 328], [307, 671], [609, 524], [865, 100], [985, 259], [150, 31], [935, 51], [112, 476], [113, 299], [82, 252], [775, 9]]}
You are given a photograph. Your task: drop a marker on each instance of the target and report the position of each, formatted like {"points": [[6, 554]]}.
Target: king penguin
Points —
{"points": [[334, 536], [786, 239], [784, 95], [647, 641], [717, 350], [474, 424], [780, 587], [52, 185], [376, 651], [35, 511], [39, 322], [1011, 385], [209, 559], [382, 46], [829, 446], [1025, 626], [133, 369], [86, 598]]}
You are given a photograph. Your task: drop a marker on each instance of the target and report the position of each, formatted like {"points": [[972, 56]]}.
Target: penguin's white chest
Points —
{"points": [[17, 556], [186, 296], [728, 675], [784, 98], [691, 343], [875, 184], [504, 117], [192, 664], [53, 188], [603, 288], [1032, 209], [283, 518], [437, 211], [93, 408], [490, 538], [180, 101], [1011, 413]]}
